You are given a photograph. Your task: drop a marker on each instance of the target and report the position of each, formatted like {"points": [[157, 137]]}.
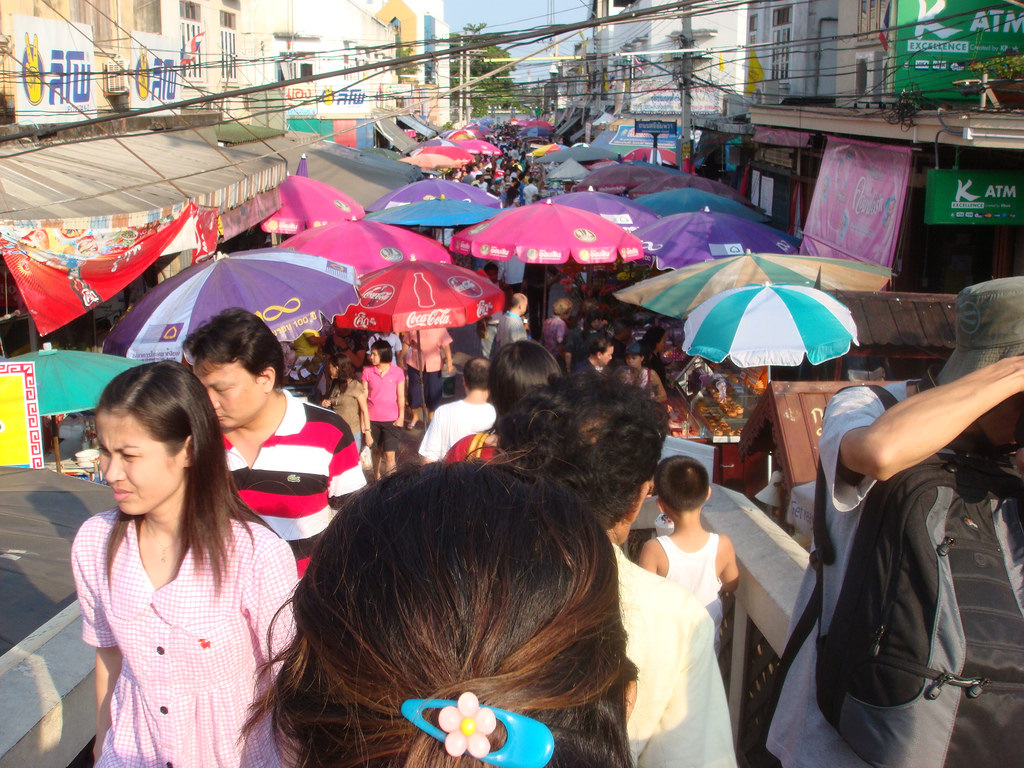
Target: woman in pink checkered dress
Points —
{"points": [[181, 586]]}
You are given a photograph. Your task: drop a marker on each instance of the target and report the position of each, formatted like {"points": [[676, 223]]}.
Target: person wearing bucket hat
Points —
{"points": [[975, 404]]}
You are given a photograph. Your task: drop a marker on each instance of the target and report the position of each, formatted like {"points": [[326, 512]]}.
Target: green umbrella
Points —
{"points": [[69, 381]]}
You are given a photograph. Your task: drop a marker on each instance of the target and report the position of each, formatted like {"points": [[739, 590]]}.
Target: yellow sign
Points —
{"points": [[21, 436]]}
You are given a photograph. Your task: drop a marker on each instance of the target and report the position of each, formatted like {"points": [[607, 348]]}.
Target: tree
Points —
{"points": [[493, 91]]}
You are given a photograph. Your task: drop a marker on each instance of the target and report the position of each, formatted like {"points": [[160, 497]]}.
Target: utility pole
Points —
{"points": [[685, 81]]}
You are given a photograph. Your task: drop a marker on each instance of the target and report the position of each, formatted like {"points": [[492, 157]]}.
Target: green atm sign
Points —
{"points": [[934, 42], [974, 197]]}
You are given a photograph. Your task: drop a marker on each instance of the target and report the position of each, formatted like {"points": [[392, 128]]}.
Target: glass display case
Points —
{"points": [[718, 397]]}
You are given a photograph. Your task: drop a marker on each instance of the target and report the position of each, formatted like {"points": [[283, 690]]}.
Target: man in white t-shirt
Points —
{"points": [[453, 421], [530, 192]]}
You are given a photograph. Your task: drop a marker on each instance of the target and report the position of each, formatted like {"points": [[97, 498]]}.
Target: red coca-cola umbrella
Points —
{"points": [[415, 295]]}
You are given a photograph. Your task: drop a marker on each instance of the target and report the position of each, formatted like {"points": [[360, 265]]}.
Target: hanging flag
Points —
{"points": [[883, 33], [721, 62], [755, 74], [192, 54]]}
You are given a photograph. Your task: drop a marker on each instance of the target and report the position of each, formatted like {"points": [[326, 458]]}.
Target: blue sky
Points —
{"points": [[514, 15]]}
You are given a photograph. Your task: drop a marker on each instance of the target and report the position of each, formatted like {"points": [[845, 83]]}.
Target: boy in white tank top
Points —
{"points": [[703, 562]]}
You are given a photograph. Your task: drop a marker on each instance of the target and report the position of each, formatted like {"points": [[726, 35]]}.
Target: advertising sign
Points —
{"points": [[935, 40], [332, 97], [21, 435], [654, 126], [55, 78], [154, 70], [974, 197], [858, 202]]}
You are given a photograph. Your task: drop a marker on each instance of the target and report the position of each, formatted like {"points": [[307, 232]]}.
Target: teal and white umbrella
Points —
{"points": [[770, 325]]}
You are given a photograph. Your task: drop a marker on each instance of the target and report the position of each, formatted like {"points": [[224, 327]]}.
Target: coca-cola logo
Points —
{"points": [[363, 321], [391, 254], [465, 286], [376, 295], [435, 318], [483, 308], [584, 235]]}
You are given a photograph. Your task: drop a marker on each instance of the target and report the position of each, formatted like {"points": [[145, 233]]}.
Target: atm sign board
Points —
{"points": [[983, 198], [654, 126]]}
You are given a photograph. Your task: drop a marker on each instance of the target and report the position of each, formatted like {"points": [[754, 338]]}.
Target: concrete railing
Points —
{"points": [[47, 695], [47, 699]]}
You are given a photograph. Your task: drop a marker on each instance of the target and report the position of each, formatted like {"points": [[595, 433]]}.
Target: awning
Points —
{"points": [[409, 121], [781, 137], [363, 176], [389, 129], [904, 324], [127, 181]]}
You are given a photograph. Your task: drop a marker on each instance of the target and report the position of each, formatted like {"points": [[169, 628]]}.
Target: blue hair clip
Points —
{"points": [[466, 726]]}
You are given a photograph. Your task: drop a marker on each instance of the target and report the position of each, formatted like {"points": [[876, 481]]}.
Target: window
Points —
{"points": [[191, 40], [752, 28], [228, 57], [872, 17], [781, 31]]}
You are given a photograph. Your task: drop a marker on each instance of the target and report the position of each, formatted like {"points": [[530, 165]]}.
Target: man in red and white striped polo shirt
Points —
{"points": [[292, 461]]}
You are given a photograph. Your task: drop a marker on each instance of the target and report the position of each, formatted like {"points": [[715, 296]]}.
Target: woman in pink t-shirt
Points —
{"points": [[385, 400]]}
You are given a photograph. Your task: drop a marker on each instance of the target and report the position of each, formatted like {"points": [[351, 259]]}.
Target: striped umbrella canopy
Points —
{"points": [[770, 325], [677, 292]]}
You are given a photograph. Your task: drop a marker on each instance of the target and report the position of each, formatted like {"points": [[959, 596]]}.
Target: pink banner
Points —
{"points": [[858, 202]]}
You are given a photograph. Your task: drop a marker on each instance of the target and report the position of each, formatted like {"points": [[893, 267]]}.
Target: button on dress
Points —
{"points": [[192, 655]]}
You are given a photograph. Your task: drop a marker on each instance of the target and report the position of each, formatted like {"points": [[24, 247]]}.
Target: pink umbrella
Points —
{"points": [[645, 154], [367, 245], [307, 203], [455, 153], [465, 133], [538, 123], [433, 162], [438, 143], [478, 147], [548, 234]]}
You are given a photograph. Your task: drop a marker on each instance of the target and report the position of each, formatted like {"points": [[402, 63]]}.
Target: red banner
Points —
{"points": [[63, 273]]}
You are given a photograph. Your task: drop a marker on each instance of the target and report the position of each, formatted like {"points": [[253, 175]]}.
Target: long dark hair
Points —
{"points": [[346, 372], [479, 580], [171, 405]]}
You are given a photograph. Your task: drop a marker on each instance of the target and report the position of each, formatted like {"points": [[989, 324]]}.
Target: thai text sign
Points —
{"points": [[54, 80], [154, 70], [858, 202], [935, 40], [21, 436], [331, 97], [974, 197], [654, 126]]}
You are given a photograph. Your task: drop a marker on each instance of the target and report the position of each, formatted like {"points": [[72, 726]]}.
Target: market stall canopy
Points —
{"points": [[389, 129], [579, 154], [568, 171], [628, 214], [690, 199], [40, 513], [307, 203], [437, 212], [363, 176], [418, 125], [128, 182]]}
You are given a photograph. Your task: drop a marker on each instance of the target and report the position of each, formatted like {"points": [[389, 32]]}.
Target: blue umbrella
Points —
{"points": [[437, 212], [428, 189], [689, 199]]}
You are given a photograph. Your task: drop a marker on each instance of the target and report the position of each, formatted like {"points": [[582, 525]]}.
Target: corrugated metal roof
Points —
{"points": [[126, 181], [925, 321], [389, 129]]}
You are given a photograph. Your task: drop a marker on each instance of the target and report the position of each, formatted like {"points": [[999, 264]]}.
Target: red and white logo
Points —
{"points": [[465, 286], [484, 308], [435, 318], [376, 295], [363, 321]]}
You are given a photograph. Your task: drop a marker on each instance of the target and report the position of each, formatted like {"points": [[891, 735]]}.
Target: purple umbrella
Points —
{"points": [[619, 210], [690, 238], [428, 189], [620, 179], [688, 181], [287, 289]]}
